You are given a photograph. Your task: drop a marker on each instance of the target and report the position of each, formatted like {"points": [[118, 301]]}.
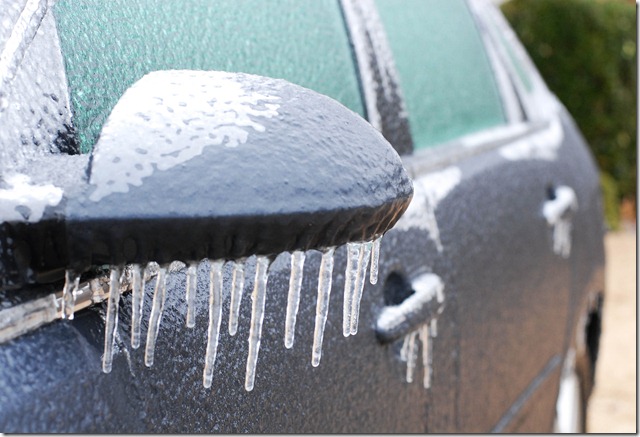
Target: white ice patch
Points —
{"points": [[542, 145], [428, 192], [24, 201], [181, 113], [493, 135], [558, 212]]}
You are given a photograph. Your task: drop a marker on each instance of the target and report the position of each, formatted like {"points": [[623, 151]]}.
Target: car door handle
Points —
{"points": [[424, 305], [564, 201]]}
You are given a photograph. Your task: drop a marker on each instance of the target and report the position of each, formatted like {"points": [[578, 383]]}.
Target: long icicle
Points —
{"points": [[363, 263], [257, 316], [322, 306], [137, 300], [111, 323], [375, 258], [411, 355], [237, 287], [426, 356], [215, 316], [192, 287], [353, 254], [293, 299], [156, 316]]}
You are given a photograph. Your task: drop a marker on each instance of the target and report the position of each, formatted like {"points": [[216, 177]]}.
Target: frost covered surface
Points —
{"points": [[427, 288], [34, 100], [23, 201], [541, 145], [175, 115], [429, 191]]}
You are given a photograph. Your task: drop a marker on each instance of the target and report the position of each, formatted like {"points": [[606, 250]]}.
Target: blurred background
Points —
{"points": [[586, 51]]}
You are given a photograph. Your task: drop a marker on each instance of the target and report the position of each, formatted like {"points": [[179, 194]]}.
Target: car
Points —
{"points": [[294, 216]]}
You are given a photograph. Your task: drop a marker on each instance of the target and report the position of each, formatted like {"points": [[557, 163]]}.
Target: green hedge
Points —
{"points": [[586, 52]]}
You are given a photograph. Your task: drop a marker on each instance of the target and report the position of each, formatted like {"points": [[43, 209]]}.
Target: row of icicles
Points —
{"points": [[358, 257]]}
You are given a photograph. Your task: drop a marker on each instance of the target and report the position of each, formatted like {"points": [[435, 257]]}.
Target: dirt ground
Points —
{"points": [[612, 407]]}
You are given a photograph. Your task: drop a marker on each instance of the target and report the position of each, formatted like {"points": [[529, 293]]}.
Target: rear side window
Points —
{"points": [[446, 77], [107, 46]]}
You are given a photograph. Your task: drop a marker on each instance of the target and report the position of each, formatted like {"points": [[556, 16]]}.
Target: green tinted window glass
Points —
{"points": [[445, 74], [108, 46]]}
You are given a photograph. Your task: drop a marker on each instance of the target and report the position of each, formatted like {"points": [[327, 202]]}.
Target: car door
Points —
{"points": [[487, 157]]}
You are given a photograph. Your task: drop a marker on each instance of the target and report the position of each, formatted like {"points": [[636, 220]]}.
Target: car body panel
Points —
{"points": [[512, 306]]}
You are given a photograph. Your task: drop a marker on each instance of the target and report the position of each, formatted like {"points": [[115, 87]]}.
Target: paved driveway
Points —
{"points": [[613, 403]]}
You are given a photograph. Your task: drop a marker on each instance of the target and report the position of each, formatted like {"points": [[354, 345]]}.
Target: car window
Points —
{"points": [[446, 77], [107, 46]]}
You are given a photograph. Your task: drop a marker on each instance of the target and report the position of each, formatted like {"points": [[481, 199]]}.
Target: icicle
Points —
{"points": [[363, 263], [111, 323], [237, 287], [426, 355], [257, 315], [293, 299], [411, 355], [405, 348], [192, 286], [434, 327], [69, 294], [137, 300], [215, 316], [156, 316], [322, 306], [375, 257], [353, 254]]}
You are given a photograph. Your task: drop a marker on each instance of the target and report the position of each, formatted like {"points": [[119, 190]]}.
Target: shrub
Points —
{"points": [[586, 51]]}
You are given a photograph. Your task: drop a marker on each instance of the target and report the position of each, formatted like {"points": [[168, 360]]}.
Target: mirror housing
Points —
{"points": [[206, 164]]}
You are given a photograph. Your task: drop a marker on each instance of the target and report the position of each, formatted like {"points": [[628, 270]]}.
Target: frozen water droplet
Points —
{"points": [[411, 355], [159, 295], [353, 254], [293, 299], [192, 286], [322, 306], [363, 263], [257, 316], [434, 327], [237, 287], [111, 323], [426, 355], [69, 294], [215, 316], [137, 300], [375, 257]]}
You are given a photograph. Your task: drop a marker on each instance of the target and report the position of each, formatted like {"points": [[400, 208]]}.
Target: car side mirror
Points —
{"points": [[206, 164]]}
